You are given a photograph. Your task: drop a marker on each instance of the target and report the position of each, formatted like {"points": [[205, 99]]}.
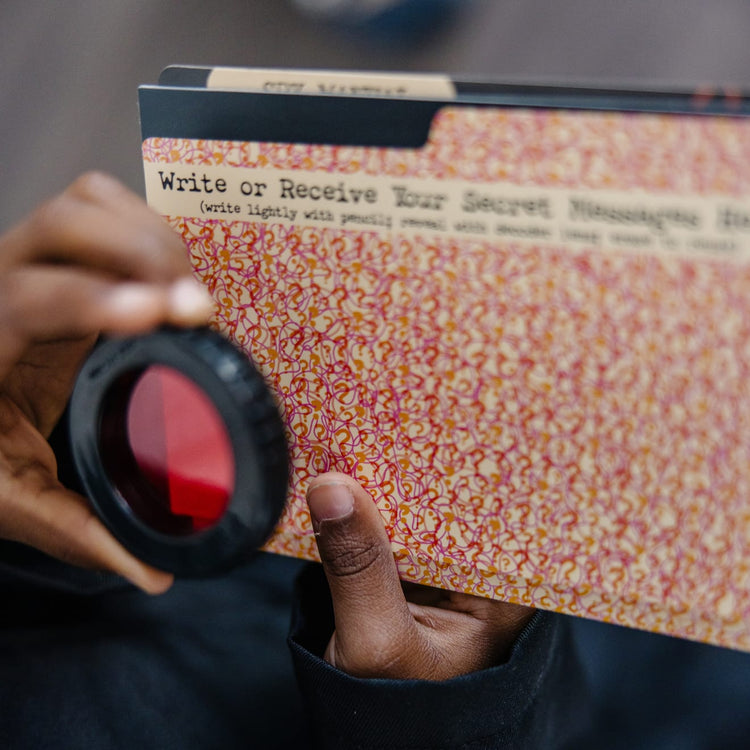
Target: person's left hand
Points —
{"points": [[93, 259], [393, 630]]}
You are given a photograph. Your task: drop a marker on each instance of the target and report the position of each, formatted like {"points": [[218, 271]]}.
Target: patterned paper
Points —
{"points": [[555, 425]]}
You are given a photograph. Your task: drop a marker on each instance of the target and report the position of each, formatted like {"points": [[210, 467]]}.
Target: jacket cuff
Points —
{"points": [[532, 700]]}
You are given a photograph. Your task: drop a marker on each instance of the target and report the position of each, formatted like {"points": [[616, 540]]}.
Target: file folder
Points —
{"points": [[519, 314]]}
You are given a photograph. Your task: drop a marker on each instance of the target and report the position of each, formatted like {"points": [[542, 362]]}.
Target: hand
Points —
{"points": [[384, 629], [94, 259]]}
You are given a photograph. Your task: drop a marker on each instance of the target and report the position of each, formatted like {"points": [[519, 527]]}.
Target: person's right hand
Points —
{"points": [[386, 629], [94, 259]]}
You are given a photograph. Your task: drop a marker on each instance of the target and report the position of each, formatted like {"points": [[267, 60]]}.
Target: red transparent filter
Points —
{"points": [[181, 447]]}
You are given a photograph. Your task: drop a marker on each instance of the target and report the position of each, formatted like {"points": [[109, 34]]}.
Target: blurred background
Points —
{"points": [[68, 78], [69, 71]]}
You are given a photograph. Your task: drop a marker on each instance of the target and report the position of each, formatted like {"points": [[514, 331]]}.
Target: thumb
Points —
{"points": [[374, 625], [59, 523]]}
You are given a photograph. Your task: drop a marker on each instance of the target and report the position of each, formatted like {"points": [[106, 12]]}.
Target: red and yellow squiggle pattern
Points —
{"points": [[564, 429]]}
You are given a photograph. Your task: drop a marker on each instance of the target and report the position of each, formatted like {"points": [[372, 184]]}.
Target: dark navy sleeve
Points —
{"points": [[535, 700]]}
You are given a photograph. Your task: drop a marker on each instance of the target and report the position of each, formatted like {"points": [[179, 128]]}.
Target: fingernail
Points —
{"points": [[329, 502], [130, 298], [157, 583], [189, 300]]}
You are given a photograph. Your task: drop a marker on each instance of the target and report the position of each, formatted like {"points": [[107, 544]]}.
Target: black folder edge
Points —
{"points": [[186, 109], [282, 118]]}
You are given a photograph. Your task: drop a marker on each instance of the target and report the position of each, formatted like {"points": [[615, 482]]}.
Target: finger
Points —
{"points": [[101, 189], [44, 302], [59, 523], [61, 303], [375, 631], [470, 632], [99, 224]]}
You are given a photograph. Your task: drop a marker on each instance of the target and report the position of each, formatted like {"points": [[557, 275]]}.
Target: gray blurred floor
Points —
{"points": [[70, 70]]}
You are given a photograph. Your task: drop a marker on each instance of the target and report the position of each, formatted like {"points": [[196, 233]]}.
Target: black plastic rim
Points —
{"points": [[251, 418]]}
